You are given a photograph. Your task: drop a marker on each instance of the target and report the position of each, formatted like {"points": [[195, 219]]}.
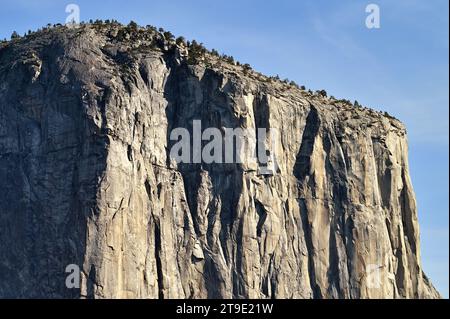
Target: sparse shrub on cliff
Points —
{"points": [[322, 93], [345, 101], [168, 35], [197, 48], [15, 35], [228, 58], [181, 41], [247, 68], [196, 52], [151, 28], [133, 26], [388, 115]]}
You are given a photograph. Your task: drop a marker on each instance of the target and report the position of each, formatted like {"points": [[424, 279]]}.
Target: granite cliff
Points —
{"points": [[86, 178]]}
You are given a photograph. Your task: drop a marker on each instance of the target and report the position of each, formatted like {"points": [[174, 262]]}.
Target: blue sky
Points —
{"points": [[401, 68]]}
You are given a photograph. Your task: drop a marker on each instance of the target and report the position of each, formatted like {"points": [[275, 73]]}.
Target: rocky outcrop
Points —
{"points": [[86, 179]]}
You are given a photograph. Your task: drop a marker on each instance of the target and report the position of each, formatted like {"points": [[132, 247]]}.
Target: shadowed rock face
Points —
{"points": [[86, 179]]}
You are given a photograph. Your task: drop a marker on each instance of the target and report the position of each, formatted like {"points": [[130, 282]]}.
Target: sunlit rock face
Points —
{"points": [[86, 179]]}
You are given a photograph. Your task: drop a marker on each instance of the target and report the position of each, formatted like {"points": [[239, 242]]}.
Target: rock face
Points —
{"points": [[86, 179]]}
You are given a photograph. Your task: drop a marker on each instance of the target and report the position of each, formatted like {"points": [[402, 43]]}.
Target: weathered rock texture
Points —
{"points": [[86, 179]]}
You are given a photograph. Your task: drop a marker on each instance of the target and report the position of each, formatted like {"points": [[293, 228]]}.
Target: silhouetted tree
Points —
{"points": [[15, 35], [132, 25], [180, 40], [168, 35], [322, 93], [229, 59]]}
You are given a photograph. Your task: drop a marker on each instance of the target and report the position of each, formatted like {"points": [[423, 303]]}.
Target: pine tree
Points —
{"points": [[322, 93], [15, 35], [246, 66], [168, 35], [132, 25], [180, 40]]}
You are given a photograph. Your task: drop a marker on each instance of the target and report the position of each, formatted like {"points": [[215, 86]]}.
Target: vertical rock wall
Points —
{"points": [[86, 179]]}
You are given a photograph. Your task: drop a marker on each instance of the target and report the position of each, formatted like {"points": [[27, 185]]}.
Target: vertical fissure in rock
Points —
{"points": [[335, 170], [301, 171], [407, 215], [91, 282], [262, 215], [239, 290], [310, 249], [261, 113], [159, 271]]}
